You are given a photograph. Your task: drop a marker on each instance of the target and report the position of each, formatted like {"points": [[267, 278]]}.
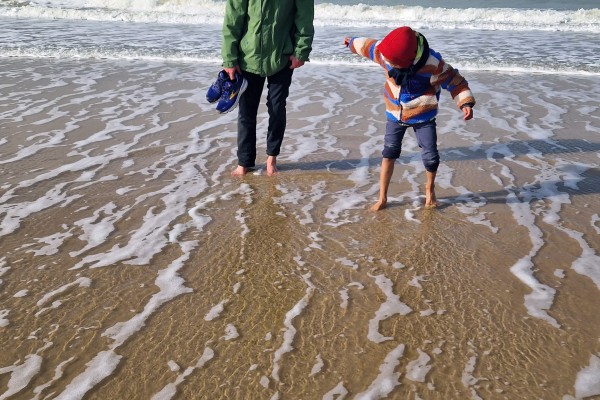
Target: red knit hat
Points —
{"points": [[399, 47]]}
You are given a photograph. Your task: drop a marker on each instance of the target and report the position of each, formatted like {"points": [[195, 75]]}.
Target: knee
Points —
{"points": [[431, 161], [391, 152]]}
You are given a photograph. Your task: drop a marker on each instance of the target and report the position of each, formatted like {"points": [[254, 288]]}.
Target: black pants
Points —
{"points": [[278, 88]]}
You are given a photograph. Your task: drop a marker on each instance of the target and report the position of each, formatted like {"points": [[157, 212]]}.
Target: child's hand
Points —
{"points": [[347, 41], [468, 113]]}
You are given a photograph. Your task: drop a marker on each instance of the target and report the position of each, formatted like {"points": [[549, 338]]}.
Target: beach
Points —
{"points": [[132, 265]]}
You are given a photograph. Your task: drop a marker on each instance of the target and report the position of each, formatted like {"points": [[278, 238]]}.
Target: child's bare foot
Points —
{"points": [[430, 199], [380, 205], [239, 171], [272, 166]]}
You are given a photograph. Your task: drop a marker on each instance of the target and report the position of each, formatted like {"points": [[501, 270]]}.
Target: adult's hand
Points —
{"points": [[232, 70], [295, 62]]}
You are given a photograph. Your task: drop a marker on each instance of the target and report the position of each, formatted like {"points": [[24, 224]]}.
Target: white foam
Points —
{"points": [[231, 332], [594, 222], [468, 380], [326, 14], [3, 320], [318, 366], [81, 282], [587, 382], [347, 263], [58, 373], [21, 374], [101, 366], [418, 369], [339, 392], [216, 310], [389, 308], [290, 330], [170, 390], [387, 379], [345, 297]]}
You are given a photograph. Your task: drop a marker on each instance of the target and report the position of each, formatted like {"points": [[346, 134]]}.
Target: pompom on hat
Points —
{"points": [[399, 47]]}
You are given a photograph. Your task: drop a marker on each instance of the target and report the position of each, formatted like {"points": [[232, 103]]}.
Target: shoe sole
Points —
{"points": [[237, 100]]}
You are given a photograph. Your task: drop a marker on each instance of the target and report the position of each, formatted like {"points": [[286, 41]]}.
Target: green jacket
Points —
{"points": [[260, 35]]}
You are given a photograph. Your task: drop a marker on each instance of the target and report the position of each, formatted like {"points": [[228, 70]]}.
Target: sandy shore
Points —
{"points": [[133, 266]]}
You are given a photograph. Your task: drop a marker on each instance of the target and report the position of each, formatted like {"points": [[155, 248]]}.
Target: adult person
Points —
{"points": [[265, 40]]}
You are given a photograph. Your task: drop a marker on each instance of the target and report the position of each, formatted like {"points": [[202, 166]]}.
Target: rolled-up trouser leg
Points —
{"points": [[392, 141], [426, 134]]}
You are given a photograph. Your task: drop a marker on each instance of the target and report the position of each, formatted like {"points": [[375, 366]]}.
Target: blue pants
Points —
{"points": [[426, 135], [278, 86]]}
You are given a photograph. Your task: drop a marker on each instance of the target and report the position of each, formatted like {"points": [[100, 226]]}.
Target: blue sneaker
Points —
{"points": [[215, 90], [232, 91]]}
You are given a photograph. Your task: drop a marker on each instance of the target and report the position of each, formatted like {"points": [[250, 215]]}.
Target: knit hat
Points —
{"points": [[399, 47]]}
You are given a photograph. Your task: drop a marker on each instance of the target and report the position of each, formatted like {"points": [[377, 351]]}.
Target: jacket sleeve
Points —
{"points": [[233, 25], [449, 78], [305, 31], [367, 47]]}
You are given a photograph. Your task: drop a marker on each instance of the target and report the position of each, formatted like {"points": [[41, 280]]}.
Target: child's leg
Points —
{"points": [[430, 199], [427, 139], [385, 176], [392, 145]]}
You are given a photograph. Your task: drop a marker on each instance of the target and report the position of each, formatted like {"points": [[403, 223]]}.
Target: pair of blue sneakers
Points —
{"points": [[226, 91]]}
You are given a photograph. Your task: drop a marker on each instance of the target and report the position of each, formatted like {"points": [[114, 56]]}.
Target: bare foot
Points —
{"points": [[272, 166], [430, 199], [380, 205], [239, 171]]}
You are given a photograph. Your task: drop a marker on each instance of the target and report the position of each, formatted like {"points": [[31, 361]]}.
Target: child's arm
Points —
{"points": [[451, 80], [365, 47]]}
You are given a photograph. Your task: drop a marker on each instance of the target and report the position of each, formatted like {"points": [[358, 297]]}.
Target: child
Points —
{"points": [[416, 75]]}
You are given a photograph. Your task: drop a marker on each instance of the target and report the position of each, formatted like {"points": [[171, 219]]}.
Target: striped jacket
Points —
{"points": [[418, 101]]}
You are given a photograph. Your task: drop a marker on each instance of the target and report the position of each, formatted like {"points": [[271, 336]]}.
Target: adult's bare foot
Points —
{"points": [[239, 171], [380, 205], [272, 166]]}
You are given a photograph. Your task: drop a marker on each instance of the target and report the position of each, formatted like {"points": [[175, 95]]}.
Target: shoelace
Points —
{"points": [[227, 86]]}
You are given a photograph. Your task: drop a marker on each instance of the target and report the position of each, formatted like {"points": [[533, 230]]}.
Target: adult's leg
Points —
{"points": [[426, 134], [278, 89], [248, 108], [392, 146]]}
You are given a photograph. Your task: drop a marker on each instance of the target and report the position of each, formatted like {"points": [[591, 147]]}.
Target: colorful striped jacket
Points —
{"points": [[418, 101]]}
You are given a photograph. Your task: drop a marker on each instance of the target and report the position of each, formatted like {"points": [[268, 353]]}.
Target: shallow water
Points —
{"points": [[133, 266]]}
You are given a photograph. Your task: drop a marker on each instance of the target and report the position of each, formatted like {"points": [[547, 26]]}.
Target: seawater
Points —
{"points": [[524, 37], [133, 266]]}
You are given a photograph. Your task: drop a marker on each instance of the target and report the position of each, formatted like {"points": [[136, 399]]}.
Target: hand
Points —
{"points": [[232, 70], [347, 41], [468, 112], [295, 62]]}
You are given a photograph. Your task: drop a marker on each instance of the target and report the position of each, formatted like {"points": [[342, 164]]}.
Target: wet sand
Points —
{"points": [[132, 265]]}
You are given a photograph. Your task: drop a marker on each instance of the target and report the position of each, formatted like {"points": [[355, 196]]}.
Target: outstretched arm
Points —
{"points": [[450, 79]]}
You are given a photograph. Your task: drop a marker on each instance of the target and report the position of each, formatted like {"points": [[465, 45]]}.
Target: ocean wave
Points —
{"points": [[319, 59], [326, 14]]}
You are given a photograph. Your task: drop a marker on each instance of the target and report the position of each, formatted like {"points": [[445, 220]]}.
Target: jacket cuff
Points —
{"points": [[230, 64]]}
